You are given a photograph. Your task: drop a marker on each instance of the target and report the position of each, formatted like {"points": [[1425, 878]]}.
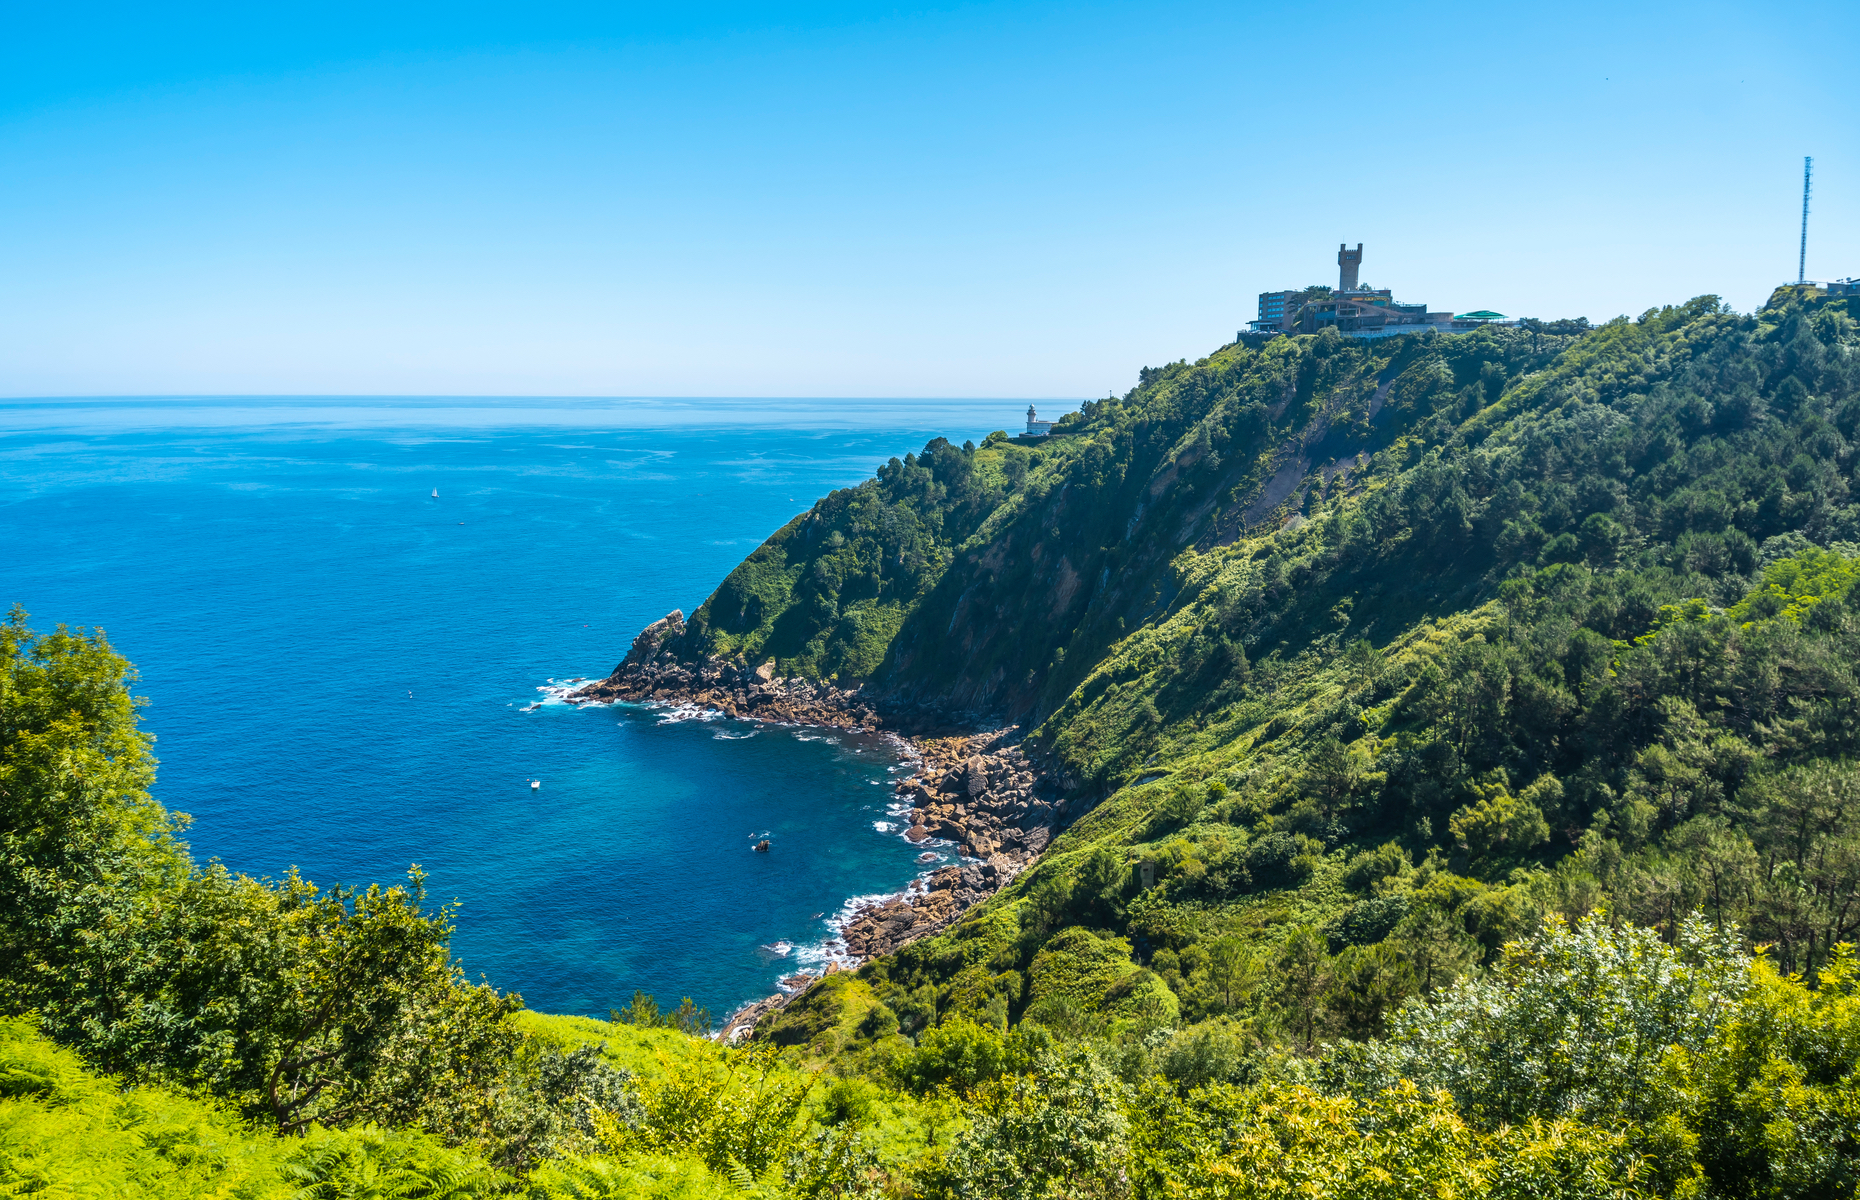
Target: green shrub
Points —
{"points": [[1367, 868], [1055, 1133], [957, 1055]]}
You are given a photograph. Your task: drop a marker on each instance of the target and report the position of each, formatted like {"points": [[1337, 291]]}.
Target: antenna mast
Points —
{"points": [[1801, 260]]}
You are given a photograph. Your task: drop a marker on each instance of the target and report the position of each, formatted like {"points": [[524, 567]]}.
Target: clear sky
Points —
{"points": [[991, 199]]}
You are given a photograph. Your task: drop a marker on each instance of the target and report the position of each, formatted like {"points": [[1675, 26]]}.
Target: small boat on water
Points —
{"points": [[535, 785], [435, 493]]}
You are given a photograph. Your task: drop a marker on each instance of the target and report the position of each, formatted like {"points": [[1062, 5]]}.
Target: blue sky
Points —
{"points": [[961, 200]]}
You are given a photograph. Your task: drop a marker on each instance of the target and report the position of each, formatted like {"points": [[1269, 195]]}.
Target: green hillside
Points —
{"points": [[1566, 628], [1458, 736]]}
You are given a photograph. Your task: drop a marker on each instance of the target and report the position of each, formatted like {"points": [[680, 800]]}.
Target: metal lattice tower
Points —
{"points": [[1801, 258]]}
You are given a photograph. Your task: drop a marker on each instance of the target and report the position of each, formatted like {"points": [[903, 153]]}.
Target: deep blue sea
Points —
{"points": [[338, 665]]}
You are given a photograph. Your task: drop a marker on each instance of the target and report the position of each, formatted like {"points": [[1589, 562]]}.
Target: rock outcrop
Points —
{"points": [[650, 643], [651, 673], [742, 1022], [655, 669]]}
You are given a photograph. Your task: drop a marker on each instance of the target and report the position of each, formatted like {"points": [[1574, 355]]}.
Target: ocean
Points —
{"points": [[341, 669]]}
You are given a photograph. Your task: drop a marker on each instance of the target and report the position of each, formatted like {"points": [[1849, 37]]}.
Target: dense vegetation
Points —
{"points": [[1466, 731]]}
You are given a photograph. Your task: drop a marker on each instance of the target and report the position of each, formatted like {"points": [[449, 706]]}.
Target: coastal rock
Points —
{"points": [[743, 1021], [653, 637]]}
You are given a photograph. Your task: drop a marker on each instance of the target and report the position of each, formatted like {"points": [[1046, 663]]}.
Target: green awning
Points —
{"points": [[1481, 315]]}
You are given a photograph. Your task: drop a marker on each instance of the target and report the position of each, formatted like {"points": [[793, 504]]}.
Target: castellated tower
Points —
{"points": [[1347, 263]]}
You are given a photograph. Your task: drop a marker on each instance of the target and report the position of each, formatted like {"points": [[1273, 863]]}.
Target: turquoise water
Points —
{"points": [[339, 666]]}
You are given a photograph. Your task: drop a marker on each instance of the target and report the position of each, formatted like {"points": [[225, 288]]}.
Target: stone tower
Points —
{"points": [[1347, 263]]}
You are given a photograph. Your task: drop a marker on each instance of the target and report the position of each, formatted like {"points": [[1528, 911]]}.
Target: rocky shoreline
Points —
{"points": [[978, 792]]}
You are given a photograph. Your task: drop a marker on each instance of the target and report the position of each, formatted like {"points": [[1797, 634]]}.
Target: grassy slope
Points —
{"points": [[900, 1128], [66, 1131]]}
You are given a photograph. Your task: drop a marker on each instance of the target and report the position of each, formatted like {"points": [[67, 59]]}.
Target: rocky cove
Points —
{"points": [[973, 788]]}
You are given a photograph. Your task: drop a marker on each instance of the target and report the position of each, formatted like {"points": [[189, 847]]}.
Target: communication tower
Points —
{"points": [[1801, 258]]}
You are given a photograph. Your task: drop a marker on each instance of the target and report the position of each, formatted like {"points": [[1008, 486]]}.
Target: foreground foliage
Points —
{"points": [[1595, 1062], [65, 1131]]}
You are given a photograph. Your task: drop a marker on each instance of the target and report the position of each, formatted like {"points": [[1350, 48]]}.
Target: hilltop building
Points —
{"points": [[1347, 263], [1035, 426], [1832, 288], [1354, 310]]}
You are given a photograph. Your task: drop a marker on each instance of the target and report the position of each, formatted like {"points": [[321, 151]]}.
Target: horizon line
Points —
{"points": [[351, 396]]}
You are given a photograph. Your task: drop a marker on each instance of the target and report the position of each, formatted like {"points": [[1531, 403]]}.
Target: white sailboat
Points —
{"points": [[435, 493]]}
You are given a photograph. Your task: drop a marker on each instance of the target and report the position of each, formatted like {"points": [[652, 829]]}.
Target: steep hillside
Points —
{"points": [[1417, 475], [1402, 647], [1369, 669]]}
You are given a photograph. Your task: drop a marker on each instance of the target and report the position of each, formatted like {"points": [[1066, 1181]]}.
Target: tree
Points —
{"points": [[1303, 971], [82, 842], [310, 1006], [1364, 663], [1436, 946], [1100, 885], [739, 1110], [1500, 824], [1046, 902], [1329, 776], [1366, 983], [1231, 968], [1180, 807], [958, 1055], [1806, 828]]}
